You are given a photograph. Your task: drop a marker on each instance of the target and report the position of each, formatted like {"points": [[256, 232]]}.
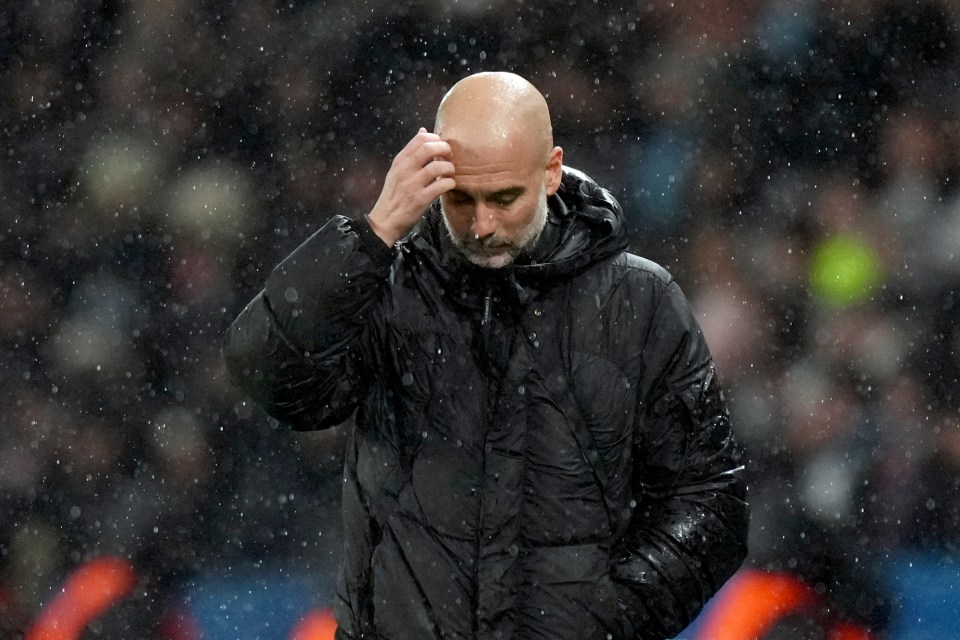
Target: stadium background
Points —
{"points": [[795, 164]]}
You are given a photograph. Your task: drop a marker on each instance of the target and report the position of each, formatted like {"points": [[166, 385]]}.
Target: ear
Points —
{"points": [[553, 172]]}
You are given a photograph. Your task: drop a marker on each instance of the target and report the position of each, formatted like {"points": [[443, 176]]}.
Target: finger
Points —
{"points": [[437, 169], [411, 149], [424, 135], [439, 187], [430, 150]]}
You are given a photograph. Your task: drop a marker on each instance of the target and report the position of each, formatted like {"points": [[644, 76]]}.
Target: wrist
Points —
{"points": [[389, 234]]}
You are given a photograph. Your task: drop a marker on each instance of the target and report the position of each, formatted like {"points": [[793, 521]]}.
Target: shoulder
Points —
{"points": [[625, 280], [630, 265]]}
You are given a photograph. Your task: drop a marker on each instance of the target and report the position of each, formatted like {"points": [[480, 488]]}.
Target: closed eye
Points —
{"points": [[504, 201], [502, 198], [458, 197], [506, 197]]}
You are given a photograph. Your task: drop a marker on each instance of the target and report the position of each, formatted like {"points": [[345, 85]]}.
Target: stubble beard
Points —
{"points": [[497, 251]]}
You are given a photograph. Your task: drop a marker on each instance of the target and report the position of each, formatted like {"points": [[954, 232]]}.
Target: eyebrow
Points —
{"points": [[508, 192]]}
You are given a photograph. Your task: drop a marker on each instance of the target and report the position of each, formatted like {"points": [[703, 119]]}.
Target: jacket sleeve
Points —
{"points": [[688, 531], [297, 347]]}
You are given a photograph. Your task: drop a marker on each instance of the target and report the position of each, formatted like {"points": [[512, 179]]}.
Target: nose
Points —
{"points": [[484, 223]]}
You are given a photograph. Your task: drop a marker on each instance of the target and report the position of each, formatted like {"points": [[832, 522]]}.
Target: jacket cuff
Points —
{"points": [[371, 244]]}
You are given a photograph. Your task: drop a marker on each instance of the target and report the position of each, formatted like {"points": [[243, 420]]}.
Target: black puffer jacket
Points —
{"points": [[540, 451]]}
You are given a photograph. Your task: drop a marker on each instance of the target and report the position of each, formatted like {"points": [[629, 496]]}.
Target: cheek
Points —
{"points": [[521, 216], [457, 219]]}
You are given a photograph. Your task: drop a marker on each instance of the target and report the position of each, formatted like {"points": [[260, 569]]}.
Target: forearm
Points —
{"points": [[678, 553], [688, 532], [321, 294], [295, 349]]}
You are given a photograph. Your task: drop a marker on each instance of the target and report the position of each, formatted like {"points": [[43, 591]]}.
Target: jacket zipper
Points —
{"points": [[487, 304], [485, 328]]}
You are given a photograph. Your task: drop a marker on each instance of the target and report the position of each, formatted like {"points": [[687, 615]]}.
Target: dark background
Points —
{"points": [[794, 164]]}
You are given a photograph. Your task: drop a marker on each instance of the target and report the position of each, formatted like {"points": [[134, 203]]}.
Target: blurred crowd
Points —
{"points": [[793, 163]]}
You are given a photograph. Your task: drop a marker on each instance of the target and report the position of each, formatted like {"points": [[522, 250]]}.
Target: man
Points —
{"points": [[541, 448]]}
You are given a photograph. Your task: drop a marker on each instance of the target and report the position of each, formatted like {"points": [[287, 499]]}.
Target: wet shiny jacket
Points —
{"points": [[540, 451]]}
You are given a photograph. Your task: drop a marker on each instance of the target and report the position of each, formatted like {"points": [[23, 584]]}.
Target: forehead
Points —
{"points": [[493, 166], [489, 177]]}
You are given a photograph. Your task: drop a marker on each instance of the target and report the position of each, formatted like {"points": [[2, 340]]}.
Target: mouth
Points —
{"points": [[488, 248], [488, 253]]}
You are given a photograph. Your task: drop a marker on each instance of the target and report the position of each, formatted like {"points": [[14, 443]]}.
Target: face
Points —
{"points": [[499, 208], [501, 247]]}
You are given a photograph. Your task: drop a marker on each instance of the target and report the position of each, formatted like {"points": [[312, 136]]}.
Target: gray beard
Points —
{"points": [[508, 249]]}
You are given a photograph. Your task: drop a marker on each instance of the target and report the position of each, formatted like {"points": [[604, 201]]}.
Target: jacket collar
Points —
{"points": [[584, 226]]}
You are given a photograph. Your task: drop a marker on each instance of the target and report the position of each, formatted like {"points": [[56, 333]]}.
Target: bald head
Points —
{"points": [[495, 110], [501, 146]]}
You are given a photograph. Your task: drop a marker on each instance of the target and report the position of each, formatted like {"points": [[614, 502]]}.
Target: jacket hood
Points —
{"points": [[587, 228]]}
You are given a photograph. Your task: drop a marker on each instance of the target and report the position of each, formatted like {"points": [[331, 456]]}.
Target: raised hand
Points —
{"points": [[419, 174]]}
